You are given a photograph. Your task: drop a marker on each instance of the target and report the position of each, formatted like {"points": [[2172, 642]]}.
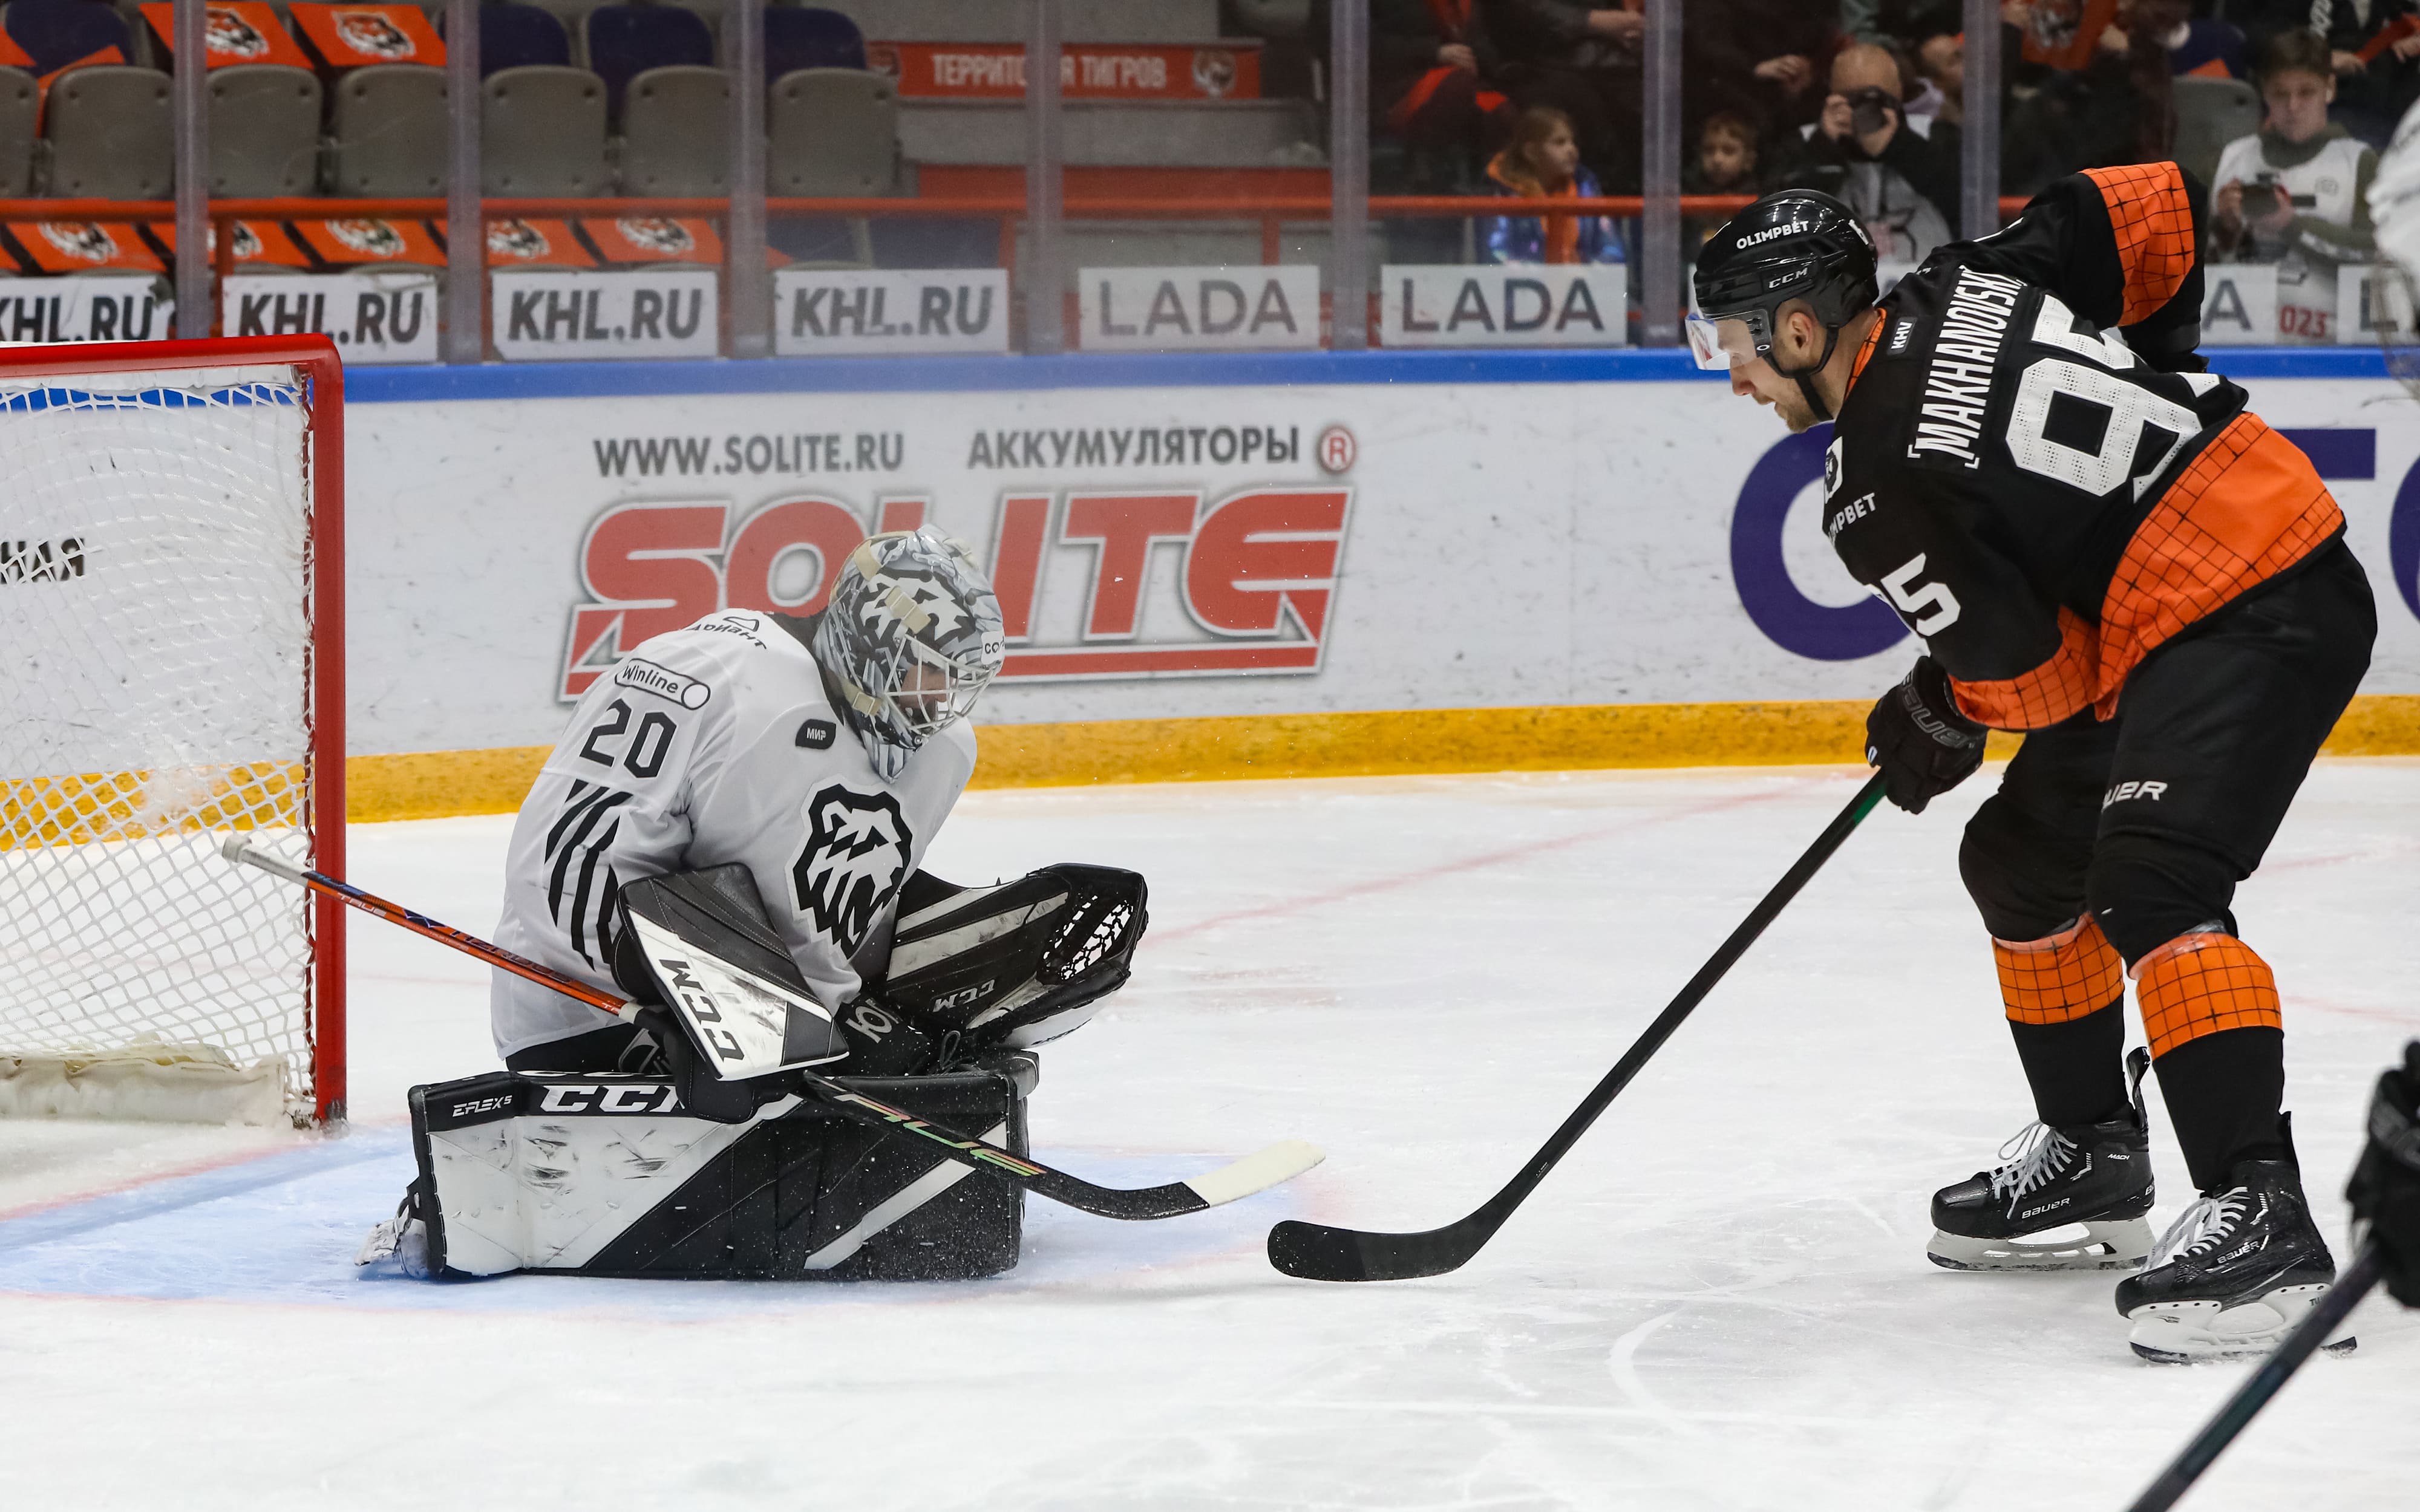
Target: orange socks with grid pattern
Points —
{"points": [[2201, 983], [2060, 979], [2066, 999]]}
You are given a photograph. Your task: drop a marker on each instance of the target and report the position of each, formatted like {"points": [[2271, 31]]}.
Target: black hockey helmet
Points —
{"points": [[1791, 244]]}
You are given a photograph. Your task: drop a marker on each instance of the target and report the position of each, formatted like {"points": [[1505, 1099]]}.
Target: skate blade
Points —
{"points": [[2190, 1332], [2108, 1244]]}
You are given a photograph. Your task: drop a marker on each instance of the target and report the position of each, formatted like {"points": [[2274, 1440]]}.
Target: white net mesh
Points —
{"points": [[155, 607]]}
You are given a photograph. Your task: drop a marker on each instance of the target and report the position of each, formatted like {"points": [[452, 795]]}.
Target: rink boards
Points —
{"points": [[1210, 566]]}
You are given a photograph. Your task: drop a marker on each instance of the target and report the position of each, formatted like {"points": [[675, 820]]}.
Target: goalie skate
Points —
{"points": [[2061, 1200]]}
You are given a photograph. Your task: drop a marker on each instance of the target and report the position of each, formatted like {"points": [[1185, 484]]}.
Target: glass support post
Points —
{"points": [[1979, 123], [189, 96], [1044, 278], [1660, 299], [743, 233], [466, 230], [1348, 175]]}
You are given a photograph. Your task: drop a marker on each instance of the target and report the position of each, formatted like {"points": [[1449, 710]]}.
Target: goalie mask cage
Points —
{"points": [[171, 609]]}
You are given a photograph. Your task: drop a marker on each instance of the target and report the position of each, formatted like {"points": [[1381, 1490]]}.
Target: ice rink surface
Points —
{"points": [[1719, 1301]]}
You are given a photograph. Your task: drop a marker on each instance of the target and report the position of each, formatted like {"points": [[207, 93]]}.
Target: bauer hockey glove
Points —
{"points": [[1923, 745], [2386, 1187]]}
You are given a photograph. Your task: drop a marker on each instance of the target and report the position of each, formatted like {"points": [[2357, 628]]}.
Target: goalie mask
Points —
{"points": [[912, 635]]}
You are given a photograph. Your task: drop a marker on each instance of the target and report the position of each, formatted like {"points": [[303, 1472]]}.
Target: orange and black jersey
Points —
{"points": [[2031, 467]]}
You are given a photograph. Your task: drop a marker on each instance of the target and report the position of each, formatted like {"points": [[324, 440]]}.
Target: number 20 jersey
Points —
{"points": [[704, 745], [2031, 469]]}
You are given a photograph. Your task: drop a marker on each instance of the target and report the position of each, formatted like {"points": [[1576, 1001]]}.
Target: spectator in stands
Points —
{"points": [[1725, 164], [1584, 61], [1899, 172], [2198, 47], [2082, 92], [1543, 162], [2374, 46], [2296, 194], [1432, 66], [1763, 60], [1936, 59]]}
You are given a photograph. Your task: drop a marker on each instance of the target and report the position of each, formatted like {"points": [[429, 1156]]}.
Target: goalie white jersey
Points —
{"points": [[705, 745]]}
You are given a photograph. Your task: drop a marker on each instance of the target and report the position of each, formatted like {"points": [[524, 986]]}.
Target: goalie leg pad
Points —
{"points": [[1014, 965], [607, 1175]]}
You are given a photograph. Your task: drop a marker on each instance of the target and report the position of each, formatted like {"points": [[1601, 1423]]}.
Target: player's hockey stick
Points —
{"points": [[2323, 1318], [1319, 1252], [1280, 1161]]}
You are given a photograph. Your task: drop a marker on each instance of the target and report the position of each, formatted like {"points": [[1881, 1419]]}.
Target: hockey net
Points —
{"points": [[171, 608]]}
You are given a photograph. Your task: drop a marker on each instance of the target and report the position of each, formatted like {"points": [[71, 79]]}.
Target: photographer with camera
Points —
{"points": [[1899, 172], [2297, 193]]}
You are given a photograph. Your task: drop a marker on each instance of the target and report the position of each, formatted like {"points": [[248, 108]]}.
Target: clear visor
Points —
{"points": [[1723, 343]]}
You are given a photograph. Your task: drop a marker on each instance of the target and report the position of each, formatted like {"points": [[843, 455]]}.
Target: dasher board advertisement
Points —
{"points": [[840, 313], [1505, 305], [569, 316], [1171, 552], [1199, 309], [374, 317], [92, 307]]}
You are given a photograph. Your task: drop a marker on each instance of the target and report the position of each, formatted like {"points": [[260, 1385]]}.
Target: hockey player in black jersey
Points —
{"points": [[2098, 545]]}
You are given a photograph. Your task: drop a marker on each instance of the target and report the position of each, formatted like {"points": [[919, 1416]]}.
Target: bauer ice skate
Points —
{"points": [[2023, 1214], [2234, 1273]]}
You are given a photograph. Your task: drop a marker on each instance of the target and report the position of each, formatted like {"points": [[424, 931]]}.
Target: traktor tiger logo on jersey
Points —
{"points": [[855, 859]]}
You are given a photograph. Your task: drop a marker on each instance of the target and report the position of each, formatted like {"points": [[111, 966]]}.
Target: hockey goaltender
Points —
{"points": [[776, 780]]}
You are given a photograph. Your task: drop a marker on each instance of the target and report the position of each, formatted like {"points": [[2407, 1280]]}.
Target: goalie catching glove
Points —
{"points": [[1005, 968], [972, 970]]}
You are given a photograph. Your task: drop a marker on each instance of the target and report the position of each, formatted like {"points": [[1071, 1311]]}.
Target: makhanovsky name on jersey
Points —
{"points": [[1957, 383]]}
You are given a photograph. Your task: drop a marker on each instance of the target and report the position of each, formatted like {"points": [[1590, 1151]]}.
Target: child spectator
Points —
{"points": [[1543, 162], [1725, 164], [2296, 194]]}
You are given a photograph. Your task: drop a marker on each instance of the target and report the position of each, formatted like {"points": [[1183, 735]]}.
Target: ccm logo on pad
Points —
{"points": [[622, 1097]]}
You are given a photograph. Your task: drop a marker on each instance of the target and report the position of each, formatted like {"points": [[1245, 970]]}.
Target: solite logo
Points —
{"points": [[1146, 581]]}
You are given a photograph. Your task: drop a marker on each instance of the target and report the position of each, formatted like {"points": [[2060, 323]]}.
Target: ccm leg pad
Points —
{"points": [[609, 1176]]}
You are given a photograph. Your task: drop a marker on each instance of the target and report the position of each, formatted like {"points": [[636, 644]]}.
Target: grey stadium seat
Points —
{"points": [[20, 106], [677, 132], [264, 131], [390, 132], [110, 134], [834, 131], [542, 133], [2211, 113]]}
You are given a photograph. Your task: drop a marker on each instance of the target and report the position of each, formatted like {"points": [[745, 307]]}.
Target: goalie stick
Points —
{"points": [[2323, 1318], [1257, 1172], [1319, 1252]]}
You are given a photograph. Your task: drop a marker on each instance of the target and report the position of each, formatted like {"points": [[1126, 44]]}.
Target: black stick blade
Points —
{"points": [[1318, 1253]]}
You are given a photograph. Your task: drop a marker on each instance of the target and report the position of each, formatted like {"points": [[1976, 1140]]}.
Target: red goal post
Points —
{"points": [[171, 584]]}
